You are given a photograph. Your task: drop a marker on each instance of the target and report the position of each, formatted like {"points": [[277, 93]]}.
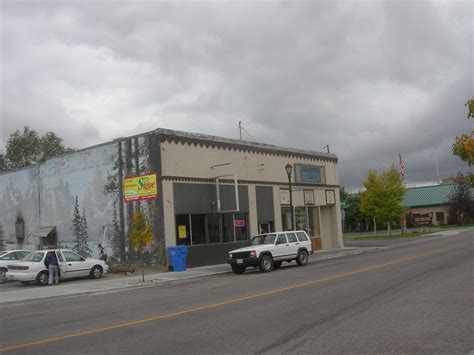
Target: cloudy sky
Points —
{"points": [[369, 78]]}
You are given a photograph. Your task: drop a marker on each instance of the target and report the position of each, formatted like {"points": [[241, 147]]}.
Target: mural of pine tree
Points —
{"points": [[115, 240], [86, 251], [2, 240], [76, 227]]}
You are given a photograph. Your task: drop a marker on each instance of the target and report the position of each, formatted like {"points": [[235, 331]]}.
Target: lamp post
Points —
{"points": [[289, 169]]}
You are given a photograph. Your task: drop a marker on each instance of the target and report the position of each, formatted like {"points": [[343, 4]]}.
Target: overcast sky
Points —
{"points": [[369, 78]]}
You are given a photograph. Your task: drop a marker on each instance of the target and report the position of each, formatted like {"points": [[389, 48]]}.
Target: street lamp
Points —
{"points": [[289, 169]]}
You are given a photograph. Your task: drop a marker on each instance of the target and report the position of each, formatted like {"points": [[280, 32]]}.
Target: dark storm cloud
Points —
{"points": [[371, 79]]}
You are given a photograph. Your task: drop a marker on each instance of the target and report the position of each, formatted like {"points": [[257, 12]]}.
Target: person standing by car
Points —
{"points": [[102, 253], [53, 268]]}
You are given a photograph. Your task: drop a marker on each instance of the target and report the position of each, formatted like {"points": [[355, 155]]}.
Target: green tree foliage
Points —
{"points": [[353, 218], [3, 162], [463, 146], [461, 203], [27, 147], [383, 196], [141, 236]]}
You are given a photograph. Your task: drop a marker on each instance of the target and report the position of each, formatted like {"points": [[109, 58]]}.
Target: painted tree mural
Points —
{"points": [[79, 232], [2, 240]]}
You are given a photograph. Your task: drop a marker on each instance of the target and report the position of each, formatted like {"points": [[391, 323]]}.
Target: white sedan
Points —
{"points": [[10, 257], [71, 264]]}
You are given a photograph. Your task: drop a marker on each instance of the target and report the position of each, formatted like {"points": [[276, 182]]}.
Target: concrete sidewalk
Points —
{"points": [[108, 284]]}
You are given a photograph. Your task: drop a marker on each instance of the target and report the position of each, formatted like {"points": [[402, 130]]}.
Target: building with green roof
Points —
{"points": [[429, 200]]}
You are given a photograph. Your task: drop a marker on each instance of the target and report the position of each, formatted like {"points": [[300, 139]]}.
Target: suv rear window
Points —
{"points": [[291, 237], [302, 236]]}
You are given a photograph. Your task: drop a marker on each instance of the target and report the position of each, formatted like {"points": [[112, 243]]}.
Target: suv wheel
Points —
{"points": [[302, 258], [266, 263], [238, 269]]}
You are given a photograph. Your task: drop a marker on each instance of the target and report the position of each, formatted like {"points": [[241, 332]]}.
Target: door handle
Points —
{"points": [[69, 264], [297, 243], [287, 245]]}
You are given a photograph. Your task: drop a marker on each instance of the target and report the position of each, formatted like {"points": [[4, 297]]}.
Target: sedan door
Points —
{"points": [[76, 265]]}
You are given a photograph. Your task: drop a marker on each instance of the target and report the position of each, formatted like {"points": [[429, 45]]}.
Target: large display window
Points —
{"points": [[199, 229]]}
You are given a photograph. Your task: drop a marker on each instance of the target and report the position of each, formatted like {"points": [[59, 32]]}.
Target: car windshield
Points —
{"points": [[35, 257], [264, 239]]}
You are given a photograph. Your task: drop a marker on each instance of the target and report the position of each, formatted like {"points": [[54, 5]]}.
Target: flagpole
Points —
{"points": [[436, 161]]}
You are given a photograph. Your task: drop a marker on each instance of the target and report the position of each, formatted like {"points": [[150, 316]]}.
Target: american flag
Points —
{"points": [[402, 167]]}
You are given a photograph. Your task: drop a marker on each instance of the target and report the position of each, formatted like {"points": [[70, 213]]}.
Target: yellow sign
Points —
{"points": [[182, 232], [138, 188]]}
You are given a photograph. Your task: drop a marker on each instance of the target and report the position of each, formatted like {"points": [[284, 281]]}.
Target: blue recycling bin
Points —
{"points": [[177, 256]]}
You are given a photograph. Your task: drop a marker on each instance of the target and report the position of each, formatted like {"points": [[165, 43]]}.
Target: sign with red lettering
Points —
{"points": [[239, 223]]}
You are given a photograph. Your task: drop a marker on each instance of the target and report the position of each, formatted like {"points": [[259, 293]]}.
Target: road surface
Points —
{"points": [[417, 297]]}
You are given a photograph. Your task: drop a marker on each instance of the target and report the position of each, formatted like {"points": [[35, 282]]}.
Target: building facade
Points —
{"points": [[213, 194], [432, 201]]}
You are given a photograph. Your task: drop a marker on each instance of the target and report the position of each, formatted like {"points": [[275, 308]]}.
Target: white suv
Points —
{"points": [[268, 251]]}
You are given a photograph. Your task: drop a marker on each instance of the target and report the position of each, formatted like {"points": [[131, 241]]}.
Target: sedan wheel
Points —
{"points": [[96, 272], [3, 276], [42, 278]]}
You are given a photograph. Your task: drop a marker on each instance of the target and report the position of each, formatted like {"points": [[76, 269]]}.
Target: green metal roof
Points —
{"points": [[427, 195]]}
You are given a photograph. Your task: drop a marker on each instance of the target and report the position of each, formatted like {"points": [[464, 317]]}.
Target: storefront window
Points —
{"points": [[198, 225], [313, 221], [227, 227], [213, 228], [241, 229], [286, 219], [183, 232], [300, 218]]}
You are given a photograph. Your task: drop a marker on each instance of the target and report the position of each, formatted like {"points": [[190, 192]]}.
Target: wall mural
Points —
{"points": [[79, 194]]}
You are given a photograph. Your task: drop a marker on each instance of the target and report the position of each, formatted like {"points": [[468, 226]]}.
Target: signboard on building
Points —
{"points": [[139, 188], [284, 197], [310, 174], [330, 198], [423, 220], [309, 197]]}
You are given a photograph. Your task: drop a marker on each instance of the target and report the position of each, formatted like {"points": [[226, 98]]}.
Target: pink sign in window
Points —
{"points": [[239, 223]]}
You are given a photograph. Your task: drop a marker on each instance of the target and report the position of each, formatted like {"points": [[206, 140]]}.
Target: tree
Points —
{"points": [[26, 148], [3, 162], [353, 216], [463, 147], [141, 236], [383, 196], [461, 204]]}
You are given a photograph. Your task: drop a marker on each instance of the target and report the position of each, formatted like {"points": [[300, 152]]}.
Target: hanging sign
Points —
{"points": [[139, 188]]}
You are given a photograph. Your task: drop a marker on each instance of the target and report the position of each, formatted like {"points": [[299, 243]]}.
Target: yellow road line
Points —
{"points": [[224, 303]]}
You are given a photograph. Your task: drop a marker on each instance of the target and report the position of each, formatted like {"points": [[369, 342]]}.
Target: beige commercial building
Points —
{"points": [[214, 193]]}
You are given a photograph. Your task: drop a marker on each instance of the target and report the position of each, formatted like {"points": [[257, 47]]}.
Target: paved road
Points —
{"points": [[413, 298]]}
